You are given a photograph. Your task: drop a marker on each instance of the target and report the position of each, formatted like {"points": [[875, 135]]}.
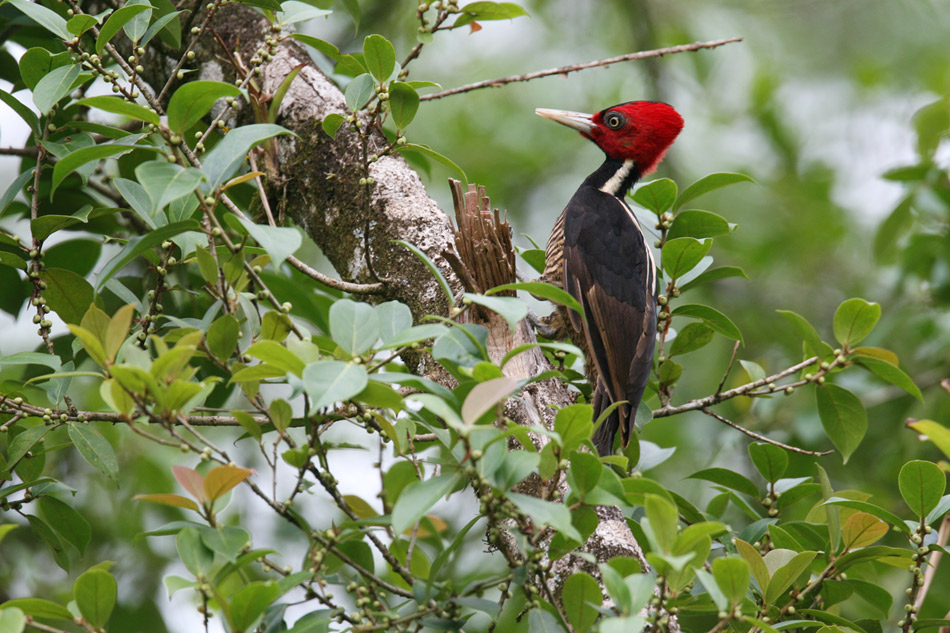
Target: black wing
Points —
{"points": [[609, 270]]}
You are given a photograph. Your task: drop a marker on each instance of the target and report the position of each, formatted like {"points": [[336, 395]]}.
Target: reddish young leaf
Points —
{"points": [[192, 481]]}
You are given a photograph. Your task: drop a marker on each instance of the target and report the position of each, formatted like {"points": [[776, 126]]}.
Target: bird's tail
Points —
{"points": [[604, 435]]}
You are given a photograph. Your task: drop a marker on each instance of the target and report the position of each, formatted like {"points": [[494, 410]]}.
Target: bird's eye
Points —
{"points": [[614, 120]]}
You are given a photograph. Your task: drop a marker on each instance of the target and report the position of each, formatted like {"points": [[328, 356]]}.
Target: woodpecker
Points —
{"points": [[598, 253]]}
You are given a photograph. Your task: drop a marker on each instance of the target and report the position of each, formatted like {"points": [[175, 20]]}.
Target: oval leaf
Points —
{"points": [[329, 381], [95, 592], [843, 417], [854, 319], [194, 100], [682, 254], [354, 326], [922, 484], [379, 57]]}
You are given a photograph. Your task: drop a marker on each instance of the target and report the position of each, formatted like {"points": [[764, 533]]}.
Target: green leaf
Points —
{"points": [[709, 183], [54, 86], [657, 195], [195, 99], [512, 309], [784, 576], [354, 326], [711, 317], [95, 449], [698, 224], [195, 555], [379, 57], [682, 254], [274, 109], [116, 21], [728, 478], [46, 18], [890, 373], [39, 608], [691, 338], [425, 150], [67, 522], [24, 113], [854, 320], [45, 225], [416, 334], [488, 11], [275, 354], [280, 242], [165, 182], [228, 540], [403, 104], [95, 592], [732, 577], [139, 245], [118, 105], [393, 318], [223, 336], [136, 27], [331, 123], [584, 472], [75, 160], [581, 596], [220, 163], [416, 499], [359, 91], [843, 417], [753, 558], [544, 291], [249, 602], [663, 519], [936, 433], [770, 460], [463, 345], [167, 27], [808, 333], [713, 274], [922, 484], [555, 515], [433, 269], [329, 381], [871, 509], [574, 425]]}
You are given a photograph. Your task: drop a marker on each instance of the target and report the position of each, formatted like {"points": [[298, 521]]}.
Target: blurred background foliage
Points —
{"points": [[824, 104]]}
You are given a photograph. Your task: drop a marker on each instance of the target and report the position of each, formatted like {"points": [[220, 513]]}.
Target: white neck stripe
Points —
{"points": [[613, 185]]}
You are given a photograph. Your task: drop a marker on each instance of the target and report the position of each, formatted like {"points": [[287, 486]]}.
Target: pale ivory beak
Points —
{"points": [[576, 120]]}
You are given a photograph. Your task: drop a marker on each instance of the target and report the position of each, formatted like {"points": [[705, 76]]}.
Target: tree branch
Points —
{"points": [[762, 438], [742, 390], [564, 70]]}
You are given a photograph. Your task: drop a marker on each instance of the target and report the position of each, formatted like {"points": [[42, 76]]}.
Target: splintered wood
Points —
{"points": [[486, 257]]}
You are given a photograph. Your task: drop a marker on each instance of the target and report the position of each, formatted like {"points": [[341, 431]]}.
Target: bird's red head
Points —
{"points": [[637, 130]]}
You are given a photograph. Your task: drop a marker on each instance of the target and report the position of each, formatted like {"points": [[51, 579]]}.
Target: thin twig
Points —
{"points": [[27, 152], [337, 284], [564, 70], [742, 390], [732, 361], [762, 438]]}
